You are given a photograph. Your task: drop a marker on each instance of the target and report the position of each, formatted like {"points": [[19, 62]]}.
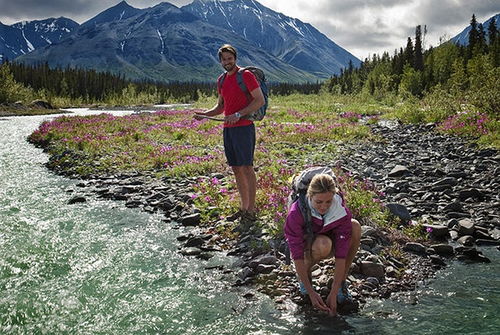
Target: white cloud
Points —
{"points": [[363, 27]]}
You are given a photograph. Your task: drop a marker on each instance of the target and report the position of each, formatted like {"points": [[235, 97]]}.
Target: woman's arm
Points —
{"points": [[303, 273], [338, 277]]}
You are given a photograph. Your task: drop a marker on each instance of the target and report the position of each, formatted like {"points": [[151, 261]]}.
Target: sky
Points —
{"points": [[363, 27]]}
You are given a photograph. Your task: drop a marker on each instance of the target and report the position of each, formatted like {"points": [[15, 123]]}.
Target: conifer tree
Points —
{"points": [[473, 37], [409, 53], [492, 32], [419, 58]]}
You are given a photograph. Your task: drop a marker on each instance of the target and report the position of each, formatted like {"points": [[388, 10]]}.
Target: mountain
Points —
{"points": [[289, 39], [463, 37], [24, 37], [162, 43], [121, 11]]}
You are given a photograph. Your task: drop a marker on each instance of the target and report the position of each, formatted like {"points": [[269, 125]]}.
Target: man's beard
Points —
{"points": [[229, 67]]}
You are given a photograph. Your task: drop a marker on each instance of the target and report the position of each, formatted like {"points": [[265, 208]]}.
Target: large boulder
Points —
{"points": [[41, 104], [372, 269]]}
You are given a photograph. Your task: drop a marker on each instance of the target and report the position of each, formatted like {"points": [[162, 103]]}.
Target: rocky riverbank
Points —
{"points": [[443, 182]]}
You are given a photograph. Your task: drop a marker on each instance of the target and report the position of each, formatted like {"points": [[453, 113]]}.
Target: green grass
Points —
{"points": [[299, 131]]}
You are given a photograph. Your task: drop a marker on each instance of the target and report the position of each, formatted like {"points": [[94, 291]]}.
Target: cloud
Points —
{"points": [[363, 27], [78, 10]]}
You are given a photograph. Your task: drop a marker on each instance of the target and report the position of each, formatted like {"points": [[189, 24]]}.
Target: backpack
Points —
{"points": [[261, 79], [299, 186]]}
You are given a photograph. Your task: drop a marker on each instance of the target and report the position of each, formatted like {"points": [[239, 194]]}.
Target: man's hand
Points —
{"points": [[317, 302], [331, 301], [232, 119], [198, 115]]}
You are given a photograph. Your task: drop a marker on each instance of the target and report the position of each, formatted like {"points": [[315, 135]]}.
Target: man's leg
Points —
{"points": [[246, 181]]}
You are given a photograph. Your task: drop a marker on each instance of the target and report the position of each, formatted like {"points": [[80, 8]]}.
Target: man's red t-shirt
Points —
{"points": [[234, 98]]}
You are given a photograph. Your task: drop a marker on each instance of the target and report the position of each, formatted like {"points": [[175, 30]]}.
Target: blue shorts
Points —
{"points": [[239, 145]]}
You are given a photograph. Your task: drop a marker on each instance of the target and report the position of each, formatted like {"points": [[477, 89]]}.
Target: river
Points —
{"points": [[103, 268]]}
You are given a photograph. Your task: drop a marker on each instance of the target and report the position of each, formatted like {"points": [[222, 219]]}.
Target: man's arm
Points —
{"points": [[257, 102], [216, 110]]}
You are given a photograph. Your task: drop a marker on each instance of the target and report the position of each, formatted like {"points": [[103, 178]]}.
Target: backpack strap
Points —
{"points": [[241, 83], [221, 81], [306, 213]]}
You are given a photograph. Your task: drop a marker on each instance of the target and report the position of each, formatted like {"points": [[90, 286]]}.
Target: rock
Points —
{"points": [[368, 231], [372, 269], [390, 271], [77, 199], [191, 220], [316, 273], [265, 268], [192, 251], [373, 281], [465, 227], [400, 211], [478, 234], [452, 223], [453, 207], [245, 273], [125, 190], [466, 240], [448, 181], [443, 249], [399, 171], [470, 193], [471, 254], [437, 231], [481, 241], [205, 256], [41, 104], [414, 247], [437, 260], [194, 241], [454, 235], [368, 241], [263, 259]]}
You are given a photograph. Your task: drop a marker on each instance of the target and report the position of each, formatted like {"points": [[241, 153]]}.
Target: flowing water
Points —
{"points": [[102, 268]]}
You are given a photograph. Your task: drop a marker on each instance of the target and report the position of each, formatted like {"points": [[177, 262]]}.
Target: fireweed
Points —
{"points": [[173, 143], [470, 123]]}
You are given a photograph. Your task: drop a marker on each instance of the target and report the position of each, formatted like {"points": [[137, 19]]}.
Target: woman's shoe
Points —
{"points": [[343, 294]]}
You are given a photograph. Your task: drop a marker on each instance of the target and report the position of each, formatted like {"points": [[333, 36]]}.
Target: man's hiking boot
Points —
{"points": [[235, 216], [247, 223], [247, 216]]}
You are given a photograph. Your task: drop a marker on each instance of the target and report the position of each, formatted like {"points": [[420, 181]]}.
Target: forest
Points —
{"points": [[430, 85]]}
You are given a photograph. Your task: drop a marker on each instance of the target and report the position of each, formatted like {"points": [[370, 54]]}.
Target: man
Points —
{"points": [[239, 133]]}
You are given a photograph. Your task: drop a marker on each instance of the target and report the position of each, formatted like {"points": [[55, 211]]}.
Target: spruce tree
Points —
{"points": [[409, 53], [419, 58], [473, 37]]}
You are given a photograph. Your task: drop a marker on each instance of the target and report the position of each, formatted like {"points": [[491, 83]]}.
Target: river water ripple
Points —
{"points": [[102, 268]]}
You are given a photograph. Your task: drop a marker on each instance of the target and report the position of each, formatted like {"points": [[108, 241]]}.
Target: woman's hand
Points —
{"points": [[331, 301], [317, 302]]}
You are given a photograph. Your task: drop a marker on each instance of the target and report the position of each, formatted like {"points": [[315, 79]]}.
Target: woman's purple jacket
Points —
{"points": [[338, 227]]}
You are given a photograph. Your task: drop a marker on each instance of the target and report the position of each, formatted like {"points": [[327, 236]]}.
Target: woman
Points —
{"points": [[335, 233]]}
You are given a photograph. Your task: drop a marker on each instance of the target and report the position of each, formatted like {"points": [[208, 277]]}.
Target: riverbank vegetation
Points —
{"points": [[452, 86]]}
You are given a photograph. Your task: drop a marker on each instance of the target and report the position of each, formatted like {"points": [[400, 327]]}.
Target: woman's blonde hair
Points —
{"points": [[321, 183]]}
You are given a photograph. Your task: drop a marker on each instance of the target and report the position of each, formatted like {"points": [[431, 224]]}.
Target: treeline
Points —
{"points": [[80, 86], [411, 71], [91, 86]]}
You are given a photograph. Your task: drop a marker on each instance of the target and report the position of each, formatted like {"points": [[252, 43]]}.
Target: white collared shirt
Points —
{"points": [[335, 212]]}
